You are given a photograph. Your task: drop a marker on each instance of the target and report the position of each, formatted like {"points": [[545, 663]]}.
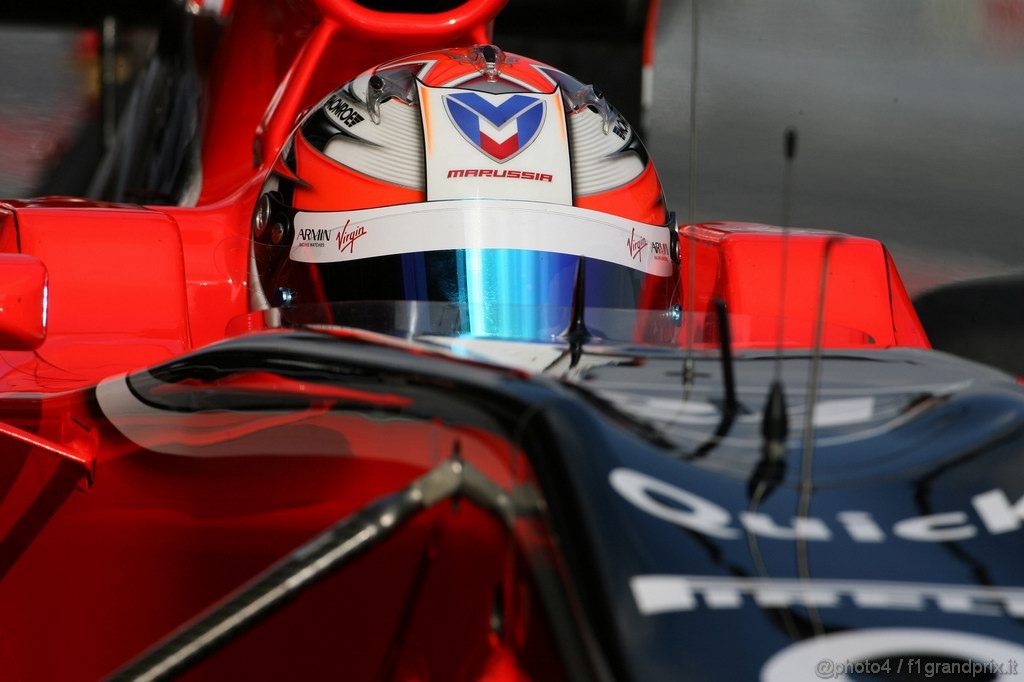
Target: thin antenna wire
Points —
{"points": [[789, 138], [688, 371], [789, 149], [807, 455], [759, 564], [730, 403], [775, 421]]}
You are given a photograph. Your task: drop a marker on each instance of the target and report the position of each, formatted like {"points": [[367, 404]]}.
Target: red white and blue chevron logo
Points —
{"points": [[501, 126]]}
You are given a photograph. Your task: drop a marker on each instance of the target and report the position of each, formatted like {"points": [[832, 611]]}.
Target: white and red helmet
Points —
{"points": [[469, 178]]}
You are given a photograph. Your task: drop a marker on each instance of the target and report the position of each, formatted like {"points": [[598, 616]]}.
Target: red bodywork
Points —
{"points": [[108, 546]]}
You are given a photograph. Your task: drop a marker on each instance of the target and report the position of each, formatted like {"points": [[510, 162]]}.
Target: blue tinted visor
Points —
{"points": [[512, 269], [498, 293]]}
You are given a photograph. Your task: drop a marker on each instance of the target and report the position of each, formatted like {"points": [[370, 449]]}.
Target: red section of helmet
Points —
{"points": [[449, 68], [641, 199], [326, 185]]}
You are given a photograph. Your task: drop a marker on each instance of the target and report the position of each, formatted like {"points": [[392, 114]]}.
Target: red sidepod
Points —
{"points": [[186, 507], [865, 303]]}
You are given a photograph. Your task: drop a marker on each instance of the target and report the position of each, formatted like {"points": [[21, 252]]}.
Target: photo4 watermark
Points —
{"points": [[829, 669]]}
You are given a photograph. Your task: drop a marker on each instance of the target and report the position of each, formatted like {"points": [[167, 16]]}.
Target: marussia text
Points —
{"points": [[491, 173]]}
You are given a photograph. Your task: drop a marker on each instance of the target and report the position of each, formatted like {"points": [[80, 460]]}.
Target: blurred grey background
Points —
{"points": [[910, 117], [44, 95], [910, 113]]}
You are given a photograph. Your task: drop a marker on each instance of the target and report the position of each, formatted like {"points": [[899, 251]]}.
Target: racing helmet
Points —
{"points": [[472, 179]]}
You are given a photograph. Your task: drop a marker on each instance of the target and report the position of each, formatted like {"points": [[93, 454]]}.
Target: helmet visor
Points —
{"points": [[512, 269]]}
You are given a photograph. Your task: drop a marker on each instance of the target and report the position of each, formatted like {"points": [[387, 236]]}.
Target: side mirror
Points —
{"points": [[23, 294]]}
